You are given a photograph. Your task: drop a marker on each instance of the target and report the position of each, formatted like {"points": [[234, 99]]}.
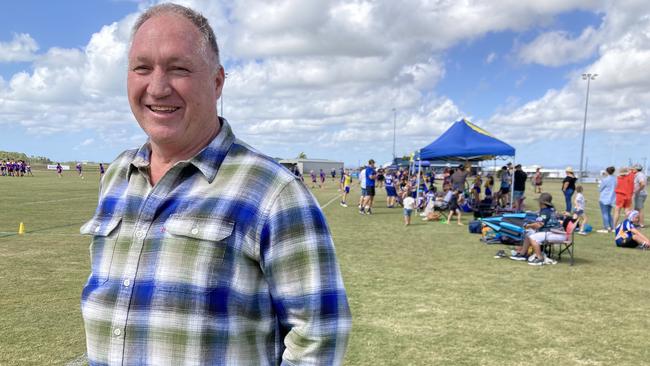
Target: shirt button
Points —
{"points": [[126, 283], [97, 229], [117, 332], [139, 234], [195, 231]]}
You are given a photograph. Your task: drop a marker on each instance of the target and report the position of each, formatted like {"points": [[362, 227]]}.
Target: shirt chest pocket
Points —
{"points": [[191, 253], [105, 233]]}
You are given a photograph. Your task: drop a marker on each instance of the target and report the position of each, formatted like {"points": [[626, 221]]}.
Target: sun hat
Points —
{"points": [[632, 215], [545, 199], [623, 171], [569, 169], [637, 167]]}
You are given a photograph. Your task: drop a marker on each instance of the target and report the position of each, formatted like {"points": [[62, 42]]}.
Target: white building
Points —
{"points": [[306, 165]]}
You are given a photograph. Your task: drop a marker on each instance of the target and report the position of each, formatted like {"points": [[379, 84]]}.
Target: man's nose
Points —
{"points": [[159, 85]]}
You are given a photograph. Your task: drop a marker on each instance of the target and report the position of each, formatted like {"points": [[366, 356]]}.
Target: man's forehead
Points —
{"points": [[167, 28]]}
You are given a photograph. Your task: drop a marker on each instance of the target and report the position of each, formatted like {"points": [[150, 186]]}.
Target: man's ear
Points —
{"points": [[220, 79]]}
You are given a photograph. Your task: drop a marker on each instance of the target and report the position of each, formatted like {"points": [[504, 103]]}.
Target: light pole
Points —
{"points": [[394, 130], [589, 78]]}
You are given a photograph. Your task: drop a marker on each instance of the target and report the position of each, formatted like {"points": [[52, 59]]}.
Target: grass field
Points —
{"points": [[428, 294]]}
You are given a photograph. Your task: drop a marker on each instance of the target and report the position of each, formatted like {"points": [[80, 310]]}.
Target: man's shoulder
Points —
{"points": [[253, 162]]}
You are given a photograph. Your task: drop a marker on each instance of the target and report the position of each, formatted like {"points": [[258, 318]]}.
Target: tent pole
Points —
{"points": [[512, 182], [417, 194]]}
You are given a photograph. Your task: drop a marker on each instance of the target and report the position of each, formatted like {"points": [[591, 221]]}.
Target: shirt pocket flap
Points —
{"points": [[100, 226], [213, 228]]}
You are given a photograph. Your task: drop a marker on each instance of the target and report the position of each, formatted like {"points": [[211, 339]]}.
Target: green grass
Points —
{"points": [[428, 294]]}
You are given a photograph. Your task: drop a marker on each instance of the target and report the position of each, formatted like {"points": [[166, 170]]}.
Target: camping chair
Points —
{"points": [[508, 229], [567, 245]]}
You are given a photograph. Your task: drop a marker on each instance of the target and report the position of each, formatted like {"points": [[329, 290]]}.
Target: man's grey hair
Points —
{"points": [[193, 16]]}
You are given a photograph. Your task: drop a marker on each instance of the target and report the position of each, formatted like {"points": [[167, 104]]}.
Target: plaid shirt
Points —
{"points": [[227, 260]]}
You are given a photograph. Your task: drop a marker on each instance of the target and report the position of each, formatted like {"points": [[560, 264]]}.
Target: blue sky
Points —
{"points": [[321, 77]]}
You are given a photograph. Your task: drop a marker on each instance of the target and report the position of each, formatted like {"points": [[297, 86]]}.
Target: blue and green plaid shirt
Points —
{"points": [[227, 260]]}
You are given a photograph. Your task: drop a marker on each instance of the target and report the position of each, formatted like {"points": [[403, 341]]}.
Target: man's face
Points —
{"points": [[172, 86]]}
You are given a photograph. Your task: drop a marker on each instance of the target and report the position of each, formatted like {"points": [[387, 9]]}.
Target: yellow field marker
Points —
{"points": [[21, 229]]}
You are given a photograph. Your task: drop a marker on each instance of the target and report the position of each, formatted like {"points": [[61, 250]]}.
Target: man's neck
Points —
{"points": [[163, 157]]}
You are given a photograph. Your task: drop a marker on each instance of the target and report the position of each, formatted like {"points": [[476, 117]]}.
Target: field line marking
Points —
{"points": [[59, 200], [330, 201]]}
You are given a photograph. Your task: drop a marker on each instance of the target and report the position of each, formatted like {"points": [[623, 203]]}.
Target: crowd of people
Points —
{"points": [[624, 194], [15, 168]]}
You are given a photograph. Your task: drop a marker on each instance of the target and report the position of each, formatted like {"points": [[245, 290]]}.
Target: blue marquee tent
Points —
{"points": [[465, 141]]}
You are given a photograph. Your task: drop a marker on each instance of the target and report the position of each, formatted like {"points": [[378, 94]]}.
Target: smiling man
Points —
{"points": [[204, 251]]}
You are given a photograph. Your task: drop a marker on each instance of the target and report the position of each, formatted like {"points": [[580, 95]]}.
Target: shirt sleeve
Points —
{"points": [[300, 266]]}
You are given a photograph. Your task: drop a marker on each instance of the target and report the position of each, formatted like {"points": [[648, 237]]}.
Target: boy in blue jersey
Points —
{"points": [[391, 192], [371, 175], [627, 235]]}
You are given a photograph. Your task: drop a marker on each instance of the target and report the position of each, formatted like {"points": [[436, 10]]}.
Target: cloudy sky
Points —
{"points": [[322, 77]]}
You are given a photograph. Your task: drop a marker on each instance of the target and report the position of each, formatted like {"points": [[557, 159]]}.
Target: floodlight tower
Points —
{"points": [[589, 78], [394, 130]]}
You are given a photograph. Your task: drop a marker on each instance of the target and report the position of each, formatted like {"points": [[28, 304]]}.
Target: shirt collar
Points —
{"points": [[207, 161]]}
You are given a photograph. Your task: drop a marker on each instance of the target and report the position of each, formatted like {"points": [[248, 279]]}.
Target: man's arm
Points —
{"points": [[299, 263]]}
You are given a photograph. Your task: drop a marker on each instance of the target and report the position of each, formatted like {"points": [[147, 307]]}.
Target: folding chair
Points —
{"points": [[567, 245]]}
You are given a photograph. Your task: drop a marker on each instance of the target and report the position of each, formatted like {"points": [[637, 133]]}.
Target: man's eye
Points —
{"points": [[180, 70], [140, 69]]}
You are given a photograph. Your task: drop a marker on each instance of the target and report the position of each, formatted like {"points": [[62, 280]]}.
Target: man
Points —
{"points": [[458, 178], [504, 190], [519, 187], [628, 236], [204, 251], [546, 228], [362, 185], [371, 175], [640, 192]]}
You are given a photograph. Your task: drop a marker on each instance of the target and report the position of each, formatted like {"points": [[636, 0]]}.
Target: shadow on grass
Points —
{"points": [[43, 229]]}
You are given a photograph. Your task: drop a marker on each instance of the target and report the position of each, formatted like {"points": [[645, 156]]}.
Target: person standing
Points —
{"points": [[362, 186], [624, 193], [391, 191], [458, 178], [504, 189], [204, 251], [346, 181], [519, 187], [538, 180], [568, 187], [640, 192], [580, 210], [607, 199], [59, 169], [371, 176]]}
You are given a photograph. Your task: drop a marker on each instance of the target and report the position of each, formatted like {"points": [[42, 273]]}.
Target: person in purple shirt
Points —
{"points": [[322, 178], [59, 169], [313, 178], [101, 171]]}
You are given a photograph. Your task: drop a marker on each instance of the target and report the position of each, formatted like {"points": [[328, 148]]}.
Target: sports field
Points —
{"points": [[428, 294]]}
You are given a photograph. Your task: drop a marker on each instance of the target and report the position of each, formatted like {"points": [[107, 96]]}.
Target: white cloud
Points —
{"points": [[326, 72], [21, 48], [491, 57], [619, 101], [557, 48]]}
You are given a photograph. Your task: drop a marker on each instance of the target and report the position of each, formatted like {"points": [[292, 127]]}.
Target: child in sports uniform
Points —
{"points": [[347, 180], [627, 235], [579, 205]]}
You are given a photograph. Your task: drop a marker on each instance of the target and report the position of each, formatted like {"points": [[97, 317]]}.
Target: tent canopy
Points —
{"points": [[465, 141]]}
